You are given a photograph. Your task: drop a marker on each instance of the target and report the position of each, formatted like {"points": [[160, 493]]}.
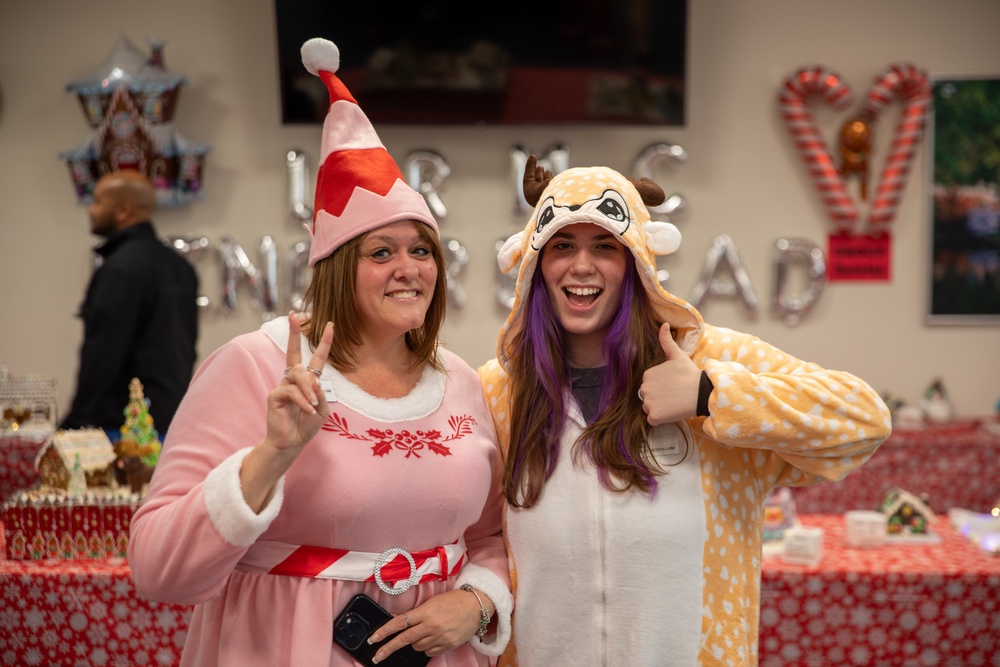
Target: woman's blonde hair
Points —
{"points": [[330, 297]]}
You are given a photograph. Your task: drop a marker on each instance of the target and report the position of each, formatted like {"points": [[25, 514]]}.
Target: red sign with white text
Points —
{"points": [[859, 257]]}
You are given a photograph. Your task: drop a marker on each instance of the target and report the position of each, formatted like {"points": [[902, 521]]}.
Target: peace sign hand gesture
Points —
{"points": [[296, 409]]}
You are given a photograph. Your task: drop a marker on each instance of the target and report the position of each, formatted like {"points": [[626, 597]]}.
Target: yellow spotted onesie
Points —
{"points": [[626, 580]]}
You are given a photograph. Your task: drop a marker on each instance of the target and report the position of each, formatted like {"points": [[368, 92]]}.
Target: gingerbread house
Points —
{"points": [[76, 460], [906, 512]]}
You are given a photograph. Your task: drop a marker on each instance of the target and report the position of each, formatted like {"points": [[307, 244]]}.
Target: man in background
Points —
{"points": [[140, 316]]}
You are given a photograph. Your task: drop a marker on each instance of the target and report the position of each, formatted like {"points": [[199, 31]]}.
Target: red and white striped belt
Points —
{"points": [[394, 570]]}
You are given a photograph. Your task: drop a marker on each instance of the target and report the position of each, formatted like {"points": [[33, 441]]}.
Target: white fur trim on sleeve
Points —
{"points": [[229, 512], [485, 581]]}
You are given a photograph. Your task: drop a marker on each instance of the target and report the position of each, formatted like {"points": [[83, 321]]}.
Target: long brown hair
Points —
{"points": [[330, 298], [616, 443]]}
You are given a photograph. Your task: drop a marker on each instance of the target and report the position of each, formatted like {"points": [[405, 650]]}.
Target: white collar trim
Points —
{"points": [[425, 398]]}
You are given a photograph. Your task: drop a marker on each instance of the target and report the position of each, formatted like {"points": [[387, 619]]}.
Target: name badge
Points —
{"points": [[327, 387]]}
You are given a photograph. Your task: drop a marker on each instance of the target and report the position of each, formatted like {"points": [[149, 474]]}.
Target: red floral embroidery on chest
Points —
{"points": [[411, 442]]}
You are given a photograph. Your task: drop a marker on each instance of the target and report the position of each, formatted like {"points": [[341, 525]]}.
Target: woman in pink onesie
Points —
{"points": [[339, 453]]}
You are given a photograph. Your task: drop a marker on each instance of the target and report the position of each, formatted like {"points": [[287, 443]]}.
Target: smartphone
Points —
{"points": [[361, 617]]}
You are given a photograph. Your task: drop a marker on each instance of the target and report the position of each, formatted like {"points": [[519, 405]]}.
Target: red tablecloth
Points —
{"points": [[935, 605], [955, 465], [83, 613], [17, 464], [920, 605]]}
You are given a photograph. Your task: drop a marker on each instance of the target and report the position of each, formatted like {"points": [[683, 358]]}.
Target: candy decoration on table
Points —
{"points": [[44, 523], [129, 102], [902, 81]]}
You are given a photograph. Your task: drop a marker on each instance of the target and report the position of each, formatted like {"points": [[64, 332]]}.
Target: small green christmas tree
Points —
{"points": [[138, 426]]}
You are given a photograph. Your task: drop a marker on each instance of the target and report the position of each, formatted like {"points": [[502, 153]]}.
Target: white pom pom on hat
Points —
{"points": [[320, 54], [359, 187]]}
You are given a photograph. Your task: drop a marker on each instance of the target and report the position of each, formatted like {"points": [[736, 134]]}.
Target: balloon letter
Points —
{"points": [[724, 250]]}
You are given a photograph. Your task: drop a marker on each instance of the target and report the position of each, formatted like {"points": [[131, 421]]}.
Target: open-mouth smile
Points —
{"points": [[582, 296]]}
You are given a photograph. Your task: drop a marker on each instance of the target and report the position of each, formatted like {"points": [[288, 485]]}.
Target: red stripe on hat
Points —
{"points": [[336, 87], [370, 168], [308, 561]]}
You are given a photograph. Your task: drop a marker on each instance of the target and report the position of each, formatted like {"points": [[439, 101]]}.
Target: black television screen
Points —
{"points": [[436, 62]]}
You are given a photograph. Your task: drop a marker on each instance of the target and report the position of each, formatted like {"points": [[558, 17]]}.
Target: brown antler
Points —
{"points": [[535, 180], [651, 193]]}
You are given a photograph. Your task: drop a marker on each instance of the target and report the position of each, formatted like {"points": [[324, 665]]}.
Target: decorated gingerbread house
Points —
{"points": [[906, 512], [76, 460]]}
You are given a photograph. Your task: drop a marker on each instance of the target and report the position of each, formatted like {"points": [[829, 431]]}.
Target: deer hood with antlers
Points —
{"points": [[604, 197]]}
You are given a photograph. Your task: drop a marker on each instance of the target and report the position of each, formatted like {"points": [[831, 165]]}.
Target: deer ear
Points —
{"points": [[651, 193], [510, 252], [535, 180], [662, 238]]}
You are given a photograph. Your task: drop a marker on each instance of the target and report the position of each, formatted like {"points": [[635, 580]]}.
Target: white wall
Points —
{"points": [[743, 177]]}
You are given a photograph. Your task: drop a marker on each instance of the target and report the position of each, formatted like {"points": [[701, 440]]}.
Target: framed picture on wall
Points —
{"points": [[965, 202], [519, 62]]}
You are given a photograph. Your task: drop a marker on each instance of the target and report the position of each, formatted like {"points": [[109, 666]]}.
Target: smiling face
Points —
{"points": [[583, 266], [395, 280]]}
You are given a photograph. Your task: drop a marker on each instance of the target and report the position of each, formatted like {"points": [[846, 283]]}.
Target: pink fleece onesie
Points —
{"points": [[415, 472]]}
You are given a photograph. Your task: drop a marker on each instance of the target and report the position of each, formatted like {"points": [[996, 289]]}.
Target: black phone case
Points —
{"points": [[361, 617]]}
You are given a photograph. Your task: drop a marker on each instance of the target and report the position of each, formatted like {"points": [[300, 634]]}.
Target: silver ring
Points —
{"points": [[641, 399], [287, 368], [407, 619], [402, 585], [315, 372]]}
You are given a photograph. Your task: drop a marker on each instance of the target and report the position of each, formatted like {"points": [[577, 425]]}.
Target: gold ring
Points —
{"points": [[315, 372], [407, 619]]}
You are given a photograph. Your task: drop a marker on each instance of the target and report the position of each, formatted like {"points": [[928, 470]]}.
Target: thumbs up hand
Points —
{"points": [[669, 391]]}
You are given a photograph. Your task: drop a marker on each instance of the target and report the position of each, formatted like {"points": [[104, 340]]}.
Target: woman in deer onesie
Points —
{"points": [[640, 442]]}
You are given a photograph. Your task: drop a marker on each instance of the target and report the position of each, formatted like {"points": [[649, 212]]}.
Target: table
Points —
{"points": [[919, 605], [934, 605], [83, 613], [955, 465]]}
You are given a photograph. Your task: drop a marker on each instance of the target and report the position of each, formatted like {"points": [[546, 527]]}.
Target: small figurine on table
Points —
{"points": [[935, 404]]}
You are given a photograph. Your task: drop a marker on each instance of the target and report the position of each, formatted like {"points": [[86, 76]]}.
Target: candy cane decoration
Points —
{"points": [[794, 94], [911, 84]]}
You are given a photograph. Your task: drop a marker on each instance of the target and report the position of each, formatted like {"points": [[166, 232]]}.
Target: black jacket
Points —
{"points": [[140, 319]]}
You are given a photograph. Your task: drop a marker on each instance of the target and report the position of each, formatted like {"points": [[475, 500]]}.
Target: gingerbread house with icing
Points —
{"points": [[76, 460], [906, 512]]}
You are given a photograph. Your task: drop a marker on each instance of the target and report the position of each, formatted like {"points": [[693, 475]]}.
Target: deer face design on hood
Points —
{"points": [[604, 197]]}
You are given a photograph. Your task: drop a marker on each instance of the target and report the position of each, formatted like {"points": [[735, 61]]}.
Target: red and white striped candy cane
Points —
{"points": [[905, 81], [804, 83]]}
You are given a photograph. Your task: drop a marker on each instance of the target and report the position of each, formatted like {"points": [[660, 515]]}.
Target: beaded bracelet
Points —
{"points": [[484, 616]]}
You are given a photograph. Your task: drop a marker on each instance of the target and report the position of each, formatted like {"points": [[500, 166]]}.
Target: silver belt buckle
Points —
{"points": [[403, 585]]}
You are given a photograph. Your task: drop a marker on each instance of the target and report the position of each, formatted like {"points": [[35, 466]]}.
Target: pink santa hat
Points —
{"points": [[359, 187]]}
